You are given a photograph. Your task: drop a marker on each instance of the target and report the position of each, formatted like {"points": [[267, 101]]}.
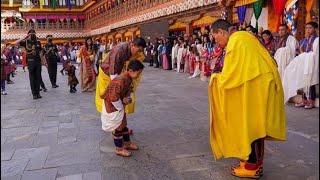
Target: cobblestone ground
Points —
{"points": [[60, 137]]}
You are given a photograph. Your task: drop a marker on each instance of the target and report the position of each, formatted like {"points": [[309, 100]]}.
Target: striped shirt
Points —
{"points": [[119, 88], [115, 60]]}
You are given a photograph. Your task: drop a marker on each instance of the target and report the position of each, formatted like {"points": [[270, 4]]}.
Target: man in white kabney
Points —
{"points": [[303, 71], [285, 48]]}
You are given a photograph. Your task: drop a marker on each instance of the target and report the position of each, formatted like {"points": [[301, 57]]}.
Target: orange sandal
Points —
{"points": [[239, 165], [123, 152], [130, 146], [241, 171]]}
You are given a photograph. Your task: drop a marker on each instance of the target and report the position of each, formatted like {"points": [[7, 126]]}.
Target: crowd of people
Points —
{"points": [[246, 68], [200, 56], [13, 54]]}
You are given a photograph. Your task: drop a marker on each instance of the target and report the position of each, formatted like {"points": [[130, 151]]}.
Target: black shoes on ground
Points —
{"points": [[55, 86], [73, 90], [44, 89], [37, 96]]}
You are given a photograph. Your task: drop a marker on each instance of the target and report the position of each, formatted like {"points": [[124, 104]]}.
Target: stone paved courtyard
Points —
{"points": [[60, 136]]}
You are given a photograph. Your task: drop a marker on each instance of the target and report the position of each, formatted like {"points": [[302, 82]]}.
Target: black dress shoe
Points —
{"points": [[37, 97], [45, 89], [156, 67], [72, 91], [55, 86]]}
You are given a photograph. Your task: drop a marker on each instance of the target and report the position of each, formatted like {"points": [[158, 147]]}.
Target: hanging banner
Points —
{"points": [[257, 9], [241, 10], [54, 4], [309, 5], [278, 6], [69, 4], [10, 3], [291, 16], [41, 4]]}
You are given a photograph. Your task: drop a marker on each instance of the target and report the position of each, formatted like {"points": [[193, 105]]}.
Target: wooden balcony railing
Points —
{"points": [[14, 1], [125, 9], [77, 4], [6, 27]]}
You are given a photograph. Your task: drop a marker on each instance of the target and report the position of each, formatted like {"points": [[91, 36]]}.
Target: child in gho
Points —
{"points": [[113, 117], [72, 78]]}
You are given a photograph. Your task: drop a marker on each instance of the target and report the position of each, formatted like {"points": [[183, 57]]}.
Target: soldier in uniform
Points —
{"points": [[33, 49], [50, 52]]}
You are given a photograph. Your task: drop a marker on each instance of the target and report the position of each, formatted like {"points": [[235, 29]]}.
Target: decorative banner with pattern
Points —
{"points": [[291, 14], [223, 15]]}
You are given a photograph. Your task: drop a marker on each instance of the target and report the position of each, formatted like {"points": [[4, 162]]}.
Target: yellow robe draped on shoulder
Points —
{"points": [[104, 80], [245, 99]]}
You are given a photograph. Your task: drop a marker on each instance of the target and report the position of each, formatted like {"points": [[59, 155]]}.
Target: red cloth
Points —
{"points": [[192, 61], [3, 70], [24, 59], [278, 6]]}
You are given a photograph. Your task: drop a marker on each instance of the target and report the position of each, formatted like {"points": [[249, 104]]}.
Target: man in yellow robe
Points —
{"points": [[114, 63], [246, 101]]}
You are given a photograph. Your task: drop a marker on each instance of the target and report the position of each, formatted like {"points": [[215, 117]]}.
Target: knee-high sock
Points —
{"points": [[126, 136], [118, 139]]}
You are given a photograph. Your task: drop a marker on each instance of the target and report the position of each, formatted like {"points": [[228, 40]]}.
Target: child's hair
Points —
{"points": [[195, 51], [68, 61], [313, 24], [135, 65]]}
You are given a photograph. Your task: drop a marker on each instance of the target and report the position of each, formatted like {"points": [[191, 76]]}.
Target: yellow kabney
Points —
{"points": [[104, 80], [245, 99]]}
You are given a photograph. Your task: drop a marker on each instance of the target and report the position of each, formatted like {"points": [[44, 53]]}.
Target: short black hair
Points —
{"points": [[31, 31], [135, 65], [284, 25], [250, 26], [254, 30], [220, 24], [313, 24], [49, 36], [267, 32], [140, 42]]}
